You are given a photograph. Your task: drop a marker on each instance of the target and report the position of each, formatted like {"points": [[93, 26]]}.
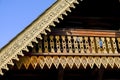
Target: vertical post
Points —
{"points": [[100, 73], [60, 73]]}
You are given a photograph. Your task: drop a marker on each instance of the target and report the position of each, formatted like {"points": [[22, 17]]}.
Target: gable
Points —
{"points": [[34, 30]]}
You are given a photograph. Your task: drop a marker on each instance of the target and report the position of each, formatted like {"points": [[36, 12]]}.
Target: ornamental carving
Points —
{"points": [[33, 31], [70, 61]]}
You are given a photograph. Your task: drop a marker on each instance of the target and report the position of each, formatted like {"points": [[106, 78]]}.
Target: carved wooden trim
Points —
{"points": [[70, 61], [33, 31], [79, 44]]}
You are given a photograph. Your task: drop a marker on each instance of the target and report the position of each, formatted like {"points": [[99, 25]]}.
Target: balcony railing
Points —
{"points": [[75, 48], [79, 42]]}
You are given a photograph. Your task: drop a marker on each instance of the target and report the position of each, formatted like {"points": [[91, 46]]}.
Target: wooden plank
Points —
{"points": [[86, 32]]}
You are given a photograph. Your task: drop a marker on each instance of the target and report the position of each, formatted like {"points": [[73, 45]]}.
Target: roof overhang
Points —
{"points": [[33, 31]]}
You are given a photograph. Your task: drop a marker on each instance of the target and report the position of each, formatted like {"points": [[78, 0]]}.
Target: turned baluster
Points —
{"points": [[109, 45], [75, 44], [58, 44], [114, 45], [63, 44]]}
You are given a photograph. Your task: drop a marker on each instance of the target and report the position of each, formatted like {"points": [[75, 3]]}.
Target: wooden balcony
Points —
{"points": [[75, 48], [79, 42]]}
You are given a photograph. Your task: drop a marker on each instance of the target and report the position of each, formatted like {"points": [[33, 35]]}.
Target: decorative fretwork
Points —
{"points": [[77, 44], [33, 31], [71, 61]]}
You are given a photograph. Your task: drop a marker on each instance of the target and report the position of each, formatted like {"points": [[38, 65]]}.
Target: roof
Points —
{"points": [[39, 26]]}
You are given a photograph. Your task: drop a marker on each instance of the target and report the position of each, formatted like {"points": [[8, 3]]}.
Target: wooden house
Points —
{"points": [[71, 40]]}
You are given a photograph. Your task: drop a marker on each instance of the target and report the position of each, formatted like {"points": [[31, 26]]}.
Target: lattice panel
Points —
{"points": [[68, 60]]}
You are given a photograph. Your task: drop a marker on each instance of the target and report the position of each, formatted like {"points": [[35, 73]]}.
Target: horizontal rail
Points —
{"points": [[73, 54], [86, 32]]}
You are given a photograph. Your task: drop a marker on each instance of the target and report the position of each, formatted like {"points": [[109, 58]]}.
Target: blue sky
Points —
{"points": [[15, 15]]}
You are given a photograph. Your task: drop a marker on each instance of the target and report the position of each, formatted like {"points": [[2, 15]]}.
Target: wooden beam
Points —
{"points": [[86, 32]]}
